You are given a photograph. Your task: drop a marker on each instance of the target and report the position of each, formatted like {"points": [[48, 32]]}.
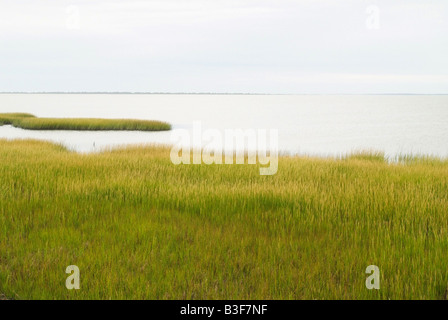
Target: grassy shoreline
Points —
{"points": [[30, 122], [139, 227]]}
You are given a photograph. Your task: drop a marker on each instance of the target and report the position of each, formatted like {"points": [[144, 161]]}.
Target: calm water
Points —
{"points": [[320, 125]]}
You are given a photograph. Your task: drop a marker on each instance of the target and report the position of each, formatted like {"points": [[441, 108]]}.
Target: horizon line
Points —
{"points": [[218, 93]]}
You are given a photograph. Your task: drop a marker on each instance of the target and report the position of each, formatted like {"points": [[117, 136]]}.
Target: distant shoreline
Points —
{"points": [[239, 93]]}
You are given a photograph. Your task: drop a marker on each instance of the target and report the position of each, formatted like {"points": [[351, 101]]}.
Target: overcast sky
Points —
{"points": [[264, 46]]}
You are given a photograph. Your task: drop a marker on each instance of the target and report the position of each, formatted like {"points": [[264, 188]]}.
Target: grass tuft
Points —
{"points": [[367, 155]]}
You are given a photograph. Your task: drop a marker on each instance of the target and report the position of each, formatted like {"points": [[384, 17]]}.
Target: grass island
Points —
{"points": [[31, 122]]}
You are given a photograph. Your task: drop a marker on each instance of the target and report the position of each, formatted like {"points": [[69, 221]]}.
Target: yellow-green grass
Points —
{"points": [[30, 122], [139, 227], [9, 118]]}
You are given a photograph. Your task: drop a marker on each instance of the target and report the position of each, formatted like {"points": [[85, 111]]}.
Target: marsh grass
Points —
{"points": [[9, 118], [140, 227], [367, 155], [30, 122]]}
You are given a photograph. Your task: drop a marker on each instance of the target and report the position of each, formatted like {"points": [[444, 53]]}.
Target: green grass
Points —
{"points": [[139, 227], [30, 122]]}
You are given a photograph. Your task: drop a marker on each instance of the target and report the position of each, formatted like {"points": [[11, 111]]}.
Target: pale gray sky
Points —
{"points": [[264, 46]]}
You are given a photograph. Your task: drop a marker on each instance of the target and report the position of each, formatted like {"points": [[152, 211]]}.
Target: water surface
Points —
{"points": [[307, 124]]}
